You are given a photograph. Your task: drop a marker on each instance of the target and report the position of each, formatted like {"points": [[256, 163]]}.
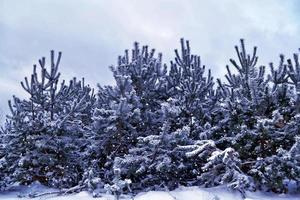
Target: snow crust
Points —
{"points": [[182, 193]]}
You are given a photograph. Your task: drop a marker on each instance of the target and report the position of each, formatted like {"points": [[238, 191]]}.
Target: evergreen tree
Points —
{"points": [[154, 162], [128, 110], [155, 159], [157, 127], [223, 167], [116, 119], [187, 82], [45, 134]]}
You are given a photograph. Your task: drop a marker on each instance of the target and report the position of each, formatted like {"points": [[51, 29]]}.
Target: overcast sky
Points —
{"points": [[92, 33]]}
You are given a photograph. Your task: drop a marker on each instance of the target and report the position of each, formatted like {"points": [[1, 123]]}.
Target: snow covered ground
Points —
{"points": [[182, 193]]}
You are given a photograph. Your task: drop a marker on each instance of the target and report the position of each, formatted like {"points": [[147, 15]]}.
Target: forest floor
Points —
{"points": [[182, 193]]}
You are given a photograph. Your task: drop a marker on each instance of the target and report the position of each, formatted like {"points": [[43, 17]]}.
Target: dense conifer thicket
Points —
{"points": [[160, 126]]}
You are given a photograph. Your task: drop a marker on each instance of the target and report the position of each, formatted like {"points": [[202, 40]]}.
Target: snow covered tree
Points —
{"points": [[281, 95], [118, 185], [148, 79], [129, 109], [246, 90], [157, 127], [169, 159], [294, 75], [45, 134], [187, 82], [154, 159], [274, 172], [140, 165], [116, 120], [223, 167], [258, 117]]}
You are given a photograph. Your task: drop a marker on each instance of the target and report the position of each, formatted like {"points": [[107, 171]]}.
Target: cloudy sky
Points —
{"points": [[92, 33]]}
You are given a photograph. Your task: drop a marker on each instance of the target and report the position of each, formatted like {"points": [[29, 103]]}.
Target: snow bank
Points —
{"points": [[182, 193]]}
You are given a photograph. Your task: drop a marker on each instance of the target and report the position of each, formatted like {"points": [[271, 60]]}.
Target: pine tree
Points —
{"points": [[223, 167], [128, 110], [148, 79], [155, 159], [116, 119], [274, 172], [294, 75], [45, 133], [154, 162], [258, 118], [158, 127], [118, 185], [246, 90], [187, 82]]}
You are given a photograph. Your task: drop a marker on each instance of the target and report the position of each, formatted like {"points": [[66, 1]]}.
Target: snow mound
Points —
{"points": [[182, 193]]}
